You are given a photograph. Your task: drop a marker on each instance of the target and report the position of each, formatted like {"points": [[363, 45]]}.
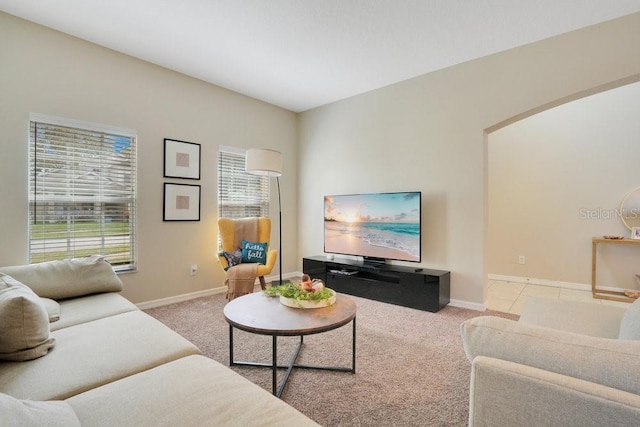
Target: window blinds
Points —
{"points": [[240, 194], [82, 189]]}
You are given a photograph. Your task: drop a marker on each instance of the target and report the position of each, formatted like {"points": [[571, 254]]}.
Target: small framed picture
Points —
{"points": [[635, 232], [181, 202], [181, 159]]}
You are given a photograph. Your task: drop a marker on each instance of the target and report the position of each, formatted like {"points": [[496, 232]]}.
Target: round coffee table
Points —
{"points": [[260, 314]]}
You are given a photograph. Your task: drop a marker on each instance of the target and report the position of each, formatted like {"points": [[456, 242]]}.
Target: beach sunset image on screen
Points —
{"points": [[376, 225]]}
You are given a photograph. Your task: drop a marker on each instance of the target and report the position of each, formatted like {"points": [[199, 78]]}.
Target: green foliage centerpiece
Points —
{"points": [[306, 294]]}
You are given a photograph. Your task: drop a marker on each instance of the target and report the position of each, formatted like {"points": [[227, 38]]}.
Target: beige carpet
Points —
{"points": [[410, 369]]}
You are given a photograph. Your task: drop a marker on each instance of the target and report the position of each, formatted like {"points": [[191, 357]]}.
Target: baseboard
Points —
{"points": [[466, 304], [554, 283], [206, 293], [180, 298], [542, 282], [294, 275]]}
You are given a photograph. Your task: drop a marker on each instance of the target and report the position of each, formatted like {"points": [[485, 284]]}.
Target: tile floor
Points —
{"points": [[509, 297]]}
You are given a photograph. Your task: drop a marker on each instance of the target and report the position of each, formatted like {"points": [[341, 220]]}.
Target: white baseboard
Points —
{"points": [[554, 283], [180, 298], [542, 282], [206, 293], [466, 304]]}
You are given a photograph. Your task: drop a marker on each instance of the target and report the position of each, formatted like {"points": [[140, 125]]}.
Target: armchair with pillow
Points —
{"points": [[563, 363], [245, 253]]}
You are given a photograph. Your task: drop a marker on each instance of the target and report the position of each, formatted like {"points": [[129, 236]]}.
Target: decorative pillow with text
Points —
{"points": [[254, 252]]}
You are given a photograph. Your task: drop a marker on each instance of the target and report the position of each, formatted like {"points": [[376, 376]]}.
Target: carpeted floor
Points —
{"points": [[410, 369]]}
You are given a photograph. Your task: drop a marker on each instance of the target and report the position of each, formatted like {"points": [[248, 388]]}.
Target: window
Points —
{"points": [[82, 189], [240, 194]]}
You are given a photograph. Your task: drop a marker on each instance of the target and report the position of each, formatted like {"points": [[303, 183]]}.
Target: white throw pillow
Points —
{"points": [[17, 412], [53, 309], [67, 278], [24, 334], [630, 324]]}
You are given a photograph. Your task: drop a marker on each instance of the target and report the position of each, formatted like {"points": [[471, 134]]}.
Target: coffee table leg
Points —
{"points": [[353, 350], [274, 365], [231, 346]]}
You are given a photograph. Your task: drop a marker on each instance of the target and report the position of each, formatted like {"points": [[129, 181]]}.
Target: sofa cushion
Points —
{"points": [[91, 354], [609, 362], [192, 391], [67, 278], [24, 334], [630, 325], [17, 412], [74, 311], [53, 309]]}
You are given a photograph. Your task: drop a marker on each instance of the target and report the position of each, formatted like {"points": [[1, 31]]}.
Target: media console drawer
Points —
{"points": [[423, 290]]}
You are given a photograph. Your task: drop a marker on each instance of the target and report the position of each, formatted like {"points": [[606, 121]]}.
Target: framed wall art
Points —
{"points": [[181, 202], [181, 159]]}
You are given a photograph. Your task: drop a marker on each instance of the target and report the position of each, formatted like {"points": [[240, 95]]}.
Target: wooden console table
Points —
{"points": [[602, 293]]}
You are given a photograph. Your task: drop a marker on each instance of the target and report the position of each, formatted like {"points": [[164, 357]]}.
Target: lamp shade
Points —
{"points": [[264, 162]]}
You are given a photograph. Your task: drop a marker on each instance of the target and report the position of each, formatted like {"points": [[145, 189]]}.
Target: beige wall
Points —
{"points": [[425, 134], [429, 134], [47, 72], [556, 180]]}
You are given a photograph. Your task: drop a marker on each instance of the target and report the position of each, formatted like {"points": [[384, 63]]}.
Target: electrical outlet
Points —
{"points": [[193, 269], [522, 259]]}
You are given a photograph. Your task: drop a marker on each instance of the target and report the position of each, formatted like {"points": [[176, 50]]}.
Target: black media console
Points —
{"points": [[412, 287]]}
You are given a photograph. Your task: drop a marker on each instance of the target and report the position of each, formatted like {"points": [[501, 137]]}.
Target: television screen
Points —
{"points": [[375, 225]]}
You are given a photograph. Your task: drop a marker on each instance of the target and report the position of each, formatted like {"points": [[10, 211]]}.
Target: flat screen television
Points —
{"points": [[375, 226]]}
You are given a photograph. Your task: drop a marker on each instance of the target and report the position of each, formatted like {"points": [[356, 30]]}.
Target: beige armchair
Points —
{"points": [[231, 242], [563, 363]]}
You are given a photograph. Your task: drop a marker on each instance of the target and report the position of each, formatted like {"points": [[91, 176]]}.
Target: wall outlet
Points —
{"points": [[193, 269], [522, 259]]}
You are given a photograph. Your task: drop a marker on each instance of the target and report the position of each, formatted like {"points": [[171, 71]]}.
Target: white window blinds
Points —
{"points": [[240, 194], [82, 192]]}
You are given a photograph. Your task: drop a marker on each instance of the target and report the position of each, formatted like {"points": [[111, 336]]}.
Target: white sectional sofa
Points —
{"points": [[73, 351], [563, 363]]}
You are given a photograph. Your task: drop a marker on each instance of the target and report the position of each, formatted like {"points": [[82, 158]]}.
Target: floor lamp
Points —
{"points": [[265, 162]]}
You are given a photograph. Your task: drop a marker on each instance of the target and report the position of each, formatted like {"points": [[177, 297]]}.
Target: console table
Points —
{"points": [[413, 287], [603, 293]]}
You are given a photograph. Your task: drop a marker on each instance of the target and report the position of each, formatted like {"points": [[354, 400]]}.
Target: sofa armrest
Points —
{"points": [[272, 255], [610, 362], [507, 393]]}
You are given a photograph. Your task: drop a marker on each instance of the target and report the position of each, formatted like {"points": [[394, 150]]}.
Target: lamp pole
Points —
{"points": [[279, 229]]}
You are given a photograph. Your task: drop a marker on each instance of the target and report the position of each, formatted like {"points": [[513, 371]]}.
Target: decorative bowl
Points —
{"points": [[298, 303]]}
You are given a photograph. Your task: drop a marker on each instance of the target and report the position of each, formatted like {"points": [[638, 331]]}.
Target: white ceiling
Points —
{"points": [[300, 54]]}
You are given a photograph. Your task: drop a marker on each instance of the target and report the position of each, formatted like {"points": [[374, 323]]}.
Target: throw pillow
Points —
{"points": [[233, 258], [254, 252], [17, 412], [24, 334], [53, 309], [630, 324], [68, 278]]}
